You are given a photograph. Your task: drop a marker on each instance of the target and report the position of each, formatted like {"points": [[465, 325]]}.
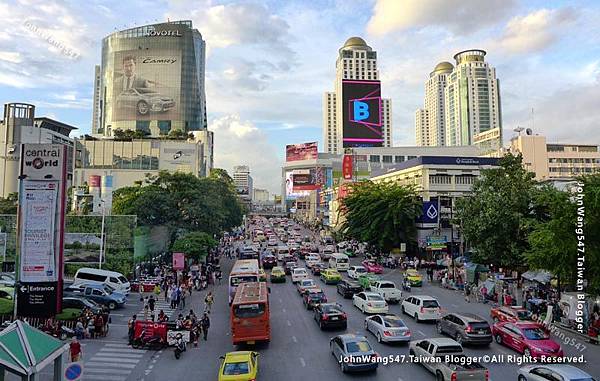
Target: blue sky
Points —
{"points": [[269, 62]]}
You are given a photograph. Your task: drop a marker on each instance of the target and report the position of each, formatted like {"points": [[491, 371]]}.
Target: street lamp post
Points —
{"points": [[102, 235]]}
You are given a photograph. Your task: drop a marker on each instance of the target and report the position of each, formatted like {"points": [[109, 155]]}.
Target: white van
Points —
{"points": [[339, 262], [112, 278], [282, 251]]}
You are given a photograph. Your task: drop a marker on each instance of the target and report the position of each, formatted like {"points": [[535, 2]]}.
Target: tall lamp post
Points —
{"points": [[102, 235]]}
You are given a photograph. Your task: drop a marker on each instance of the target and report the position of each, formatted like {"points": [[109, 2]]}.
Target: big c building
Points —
{"points": [[151, 79]]}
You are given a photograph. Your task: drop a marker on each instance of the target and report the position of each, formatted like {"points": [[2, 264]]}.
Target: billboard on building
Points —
{"points": [[361, 107], [348, 167], [308, 179], [290, 192], [82, 247], [146, 86], [304, 151], [177, 156]]}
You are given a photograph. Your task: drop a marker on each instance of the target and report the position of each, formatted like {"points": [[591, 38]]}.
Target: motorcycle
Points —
{"points": [[150, 342], [179, 346], [406, 286]]}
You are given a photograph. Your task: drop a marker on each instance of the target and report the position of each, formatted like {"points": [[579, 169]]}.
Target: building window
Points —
{"points": [[411, 157], [440, 179], [387, 158], [374, 158]]}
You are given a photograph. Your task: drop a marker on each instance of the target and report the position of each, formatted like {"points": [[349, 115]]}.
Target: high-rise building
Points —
{"points": [[243, 182], [462, 105], [355, 115], [151, 79]]}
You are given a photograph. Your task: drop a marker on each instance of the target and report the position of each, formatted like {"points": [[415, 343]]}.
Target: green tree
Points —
{"points": [[178, 134], [552, 241], [195, 245], [9, 204], [497, 217], [382, 214], [127, 135]]}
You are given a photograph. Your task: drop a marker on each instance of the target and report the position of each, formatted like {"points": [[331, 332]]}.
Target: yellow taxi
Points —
{"points": [[262, 275], [414, 278], [278, 275], [330, 276], [239, 366]]}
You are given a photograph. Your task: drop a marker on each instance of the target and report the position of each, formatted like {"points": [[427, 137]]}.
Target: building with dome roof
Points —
{"points": [[356, 72], [462, 105]]}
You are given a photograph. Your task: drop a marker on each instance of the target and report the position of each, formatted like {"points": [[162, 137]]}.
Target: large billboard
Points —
{"points": [[361, 107], [146, 86], [175, 156], [290, 192], [304, 151]]}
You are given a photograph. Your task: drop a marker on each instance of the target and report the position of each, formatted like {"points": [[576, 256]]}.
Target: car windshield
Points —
{"points": [[331, 309], [394, 322], [308, 282], [360, 270], [387, 285], [430, 304], [534, 334], [233, 368], [374, 297], [479, 326], [235, 281], [249, 310], [142, 90], [316, 295], [342, 260], [358, 346]]}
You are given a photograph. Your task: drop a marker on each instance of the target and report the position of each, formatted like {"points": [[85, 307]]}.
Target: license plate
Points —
{"points": [[334, 318], [251, 342], [481, 332]]}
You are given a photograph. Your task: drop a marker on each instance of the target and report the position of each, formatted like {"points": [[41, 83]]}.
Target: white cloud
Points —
{"points": [[536, 31], [240, 142], [458, 16], [12, 57]]}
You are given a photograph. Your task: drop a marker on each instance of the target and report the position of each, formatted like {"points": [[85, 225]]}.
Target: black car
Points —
{"points": [[269, 261], [317, 267], [79, 303], [313, 297], [330, 315], [347, 288], [465, 328]]}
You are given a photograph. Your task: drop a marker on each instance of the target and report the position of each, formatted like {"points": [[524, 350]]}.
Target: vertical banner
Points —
{"points": [[178, 261], [347, 167]]}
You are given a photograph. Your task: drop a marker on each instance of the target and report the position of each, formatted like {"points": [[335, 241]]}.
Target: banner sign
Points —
{"points": [[37, 239], [304, 151], [36, 299], [347, 167], [436, 242], [178, 261]]}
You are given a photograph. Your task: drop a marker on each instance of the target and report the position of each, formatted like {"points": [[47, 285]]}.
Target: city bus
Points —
{"points": [[243, 271], [250, 315]]}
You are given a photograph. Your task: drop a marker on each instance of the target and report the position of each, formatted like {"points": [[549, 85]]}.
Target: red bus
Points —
{"points": [[250, 315]]}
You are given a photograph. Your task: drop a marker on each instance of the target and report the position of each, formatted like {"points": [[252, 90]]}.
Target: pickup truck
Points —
{"points": [[445, 359], [387, 290]]}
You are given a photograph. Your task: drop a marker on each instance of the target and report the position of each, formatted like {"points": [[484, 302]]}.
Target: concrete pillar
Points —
{"points": [[58, 365], [2, 374]]}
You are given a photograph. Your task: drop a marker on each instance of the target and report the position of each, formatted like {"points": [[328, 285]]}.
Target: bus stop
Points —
{"points": [[25, 351]]}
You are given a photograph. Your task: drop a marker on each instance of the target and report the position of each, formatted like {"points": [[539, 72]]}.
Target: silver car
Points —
{"points": [[145, 100], [541, 372], [388, 328]]}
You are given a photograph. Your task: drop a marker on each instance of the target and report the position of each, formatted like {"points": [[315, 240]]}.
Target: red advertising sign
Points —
{"points": [[178, 261], [304, 151], [347, 167], [150, 329]]}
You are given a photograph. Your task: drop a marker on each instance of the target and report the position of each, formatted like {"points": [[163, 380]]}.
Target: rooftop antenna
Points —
{"points": [[519, 130], [532, 119]]}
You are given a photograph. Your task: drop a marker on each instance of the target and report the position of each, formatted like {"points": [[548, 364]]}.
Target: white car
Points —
{"points": [[422, 307], [298, 274], [304, 284], [354, 272], [370, 303]]}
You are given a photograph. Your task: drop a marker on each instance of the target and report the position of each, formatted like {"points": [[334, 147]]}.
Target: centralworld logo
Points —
{"points": [[37, 163]]}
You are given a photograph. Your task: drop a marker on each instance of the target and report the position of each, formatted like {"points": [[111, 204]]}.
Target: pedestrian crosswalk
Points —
{"points": [[159, 305], [113, 362]]}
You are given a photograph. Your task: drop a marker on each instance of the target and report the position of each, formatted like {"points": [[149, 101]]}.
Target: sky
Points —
{"points": [[269, 62]]}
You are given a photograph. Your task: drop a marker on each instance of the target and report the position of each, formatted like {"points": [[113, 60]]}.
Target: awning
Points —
{"points": [[540, 276], [26, 350]]}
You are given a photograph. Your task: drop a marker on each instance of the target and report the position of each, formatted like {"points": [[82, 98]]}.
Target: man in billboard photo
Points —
{"points": [[129, 79]]}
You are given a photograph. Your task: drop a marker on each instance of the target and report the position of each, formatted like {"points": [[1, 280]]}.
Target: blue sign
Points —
{"points": [[73, 372], [361, 110], [431, 213]]}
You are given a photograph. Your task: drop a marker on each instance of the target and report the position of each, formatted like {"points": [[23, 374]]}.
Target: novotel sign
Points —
{"points": [[164, 33]]}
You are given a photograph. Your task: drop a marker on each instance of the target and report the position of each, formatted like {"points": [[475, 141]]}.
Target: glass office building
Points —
{"points": [[152, 79]]}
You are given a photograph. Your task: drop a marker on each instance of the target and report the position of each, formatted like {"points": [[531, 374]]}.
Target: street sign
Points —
{"points": [[36, 299], [73, 371]]}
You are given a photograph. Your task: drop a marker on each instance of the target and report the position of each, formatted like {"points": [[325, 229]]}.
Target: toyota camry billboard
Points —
{"points": [[361, 109], [146, 86]]}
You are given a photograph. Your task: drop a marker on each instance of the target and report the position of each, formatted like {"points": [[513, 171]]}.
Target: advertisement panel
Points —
{"points": [[146, 86], [435, 242], [177, 157], [361, 107], [82, 247], [347, 167], [38, 261], [178, 261], [304, 151], [290, 192]]}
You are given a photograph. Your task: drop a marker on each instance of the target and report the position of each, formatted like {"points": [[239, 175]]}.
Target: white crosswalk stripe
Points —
{"points": [[113, 362], [160, 305]]}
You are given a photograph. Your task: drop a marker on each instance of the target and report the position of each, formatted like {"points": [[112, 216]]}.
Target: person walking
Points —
{"points": [[205, 324], [182, 299], [151, 303], [208, 302], [75, 349], [173, 297], [131, 328]]}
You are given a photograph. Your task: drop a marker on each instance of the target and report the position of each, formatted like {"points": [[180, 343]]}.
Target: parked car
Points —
{"points": [[421, 307], [388, 291], [511, 314], [527, 338], [278, 275], [372, 266], [330, 276], [545, 372], [79, 303], [370, 303], [367, 280], [465, 328], [330, 315], [239, 366], [354, 272], [99, 293], [358, 347], [388, 328], [447, 370], [299, 273], [415, 279], [347, 288], [305, 284], [312, 297]]}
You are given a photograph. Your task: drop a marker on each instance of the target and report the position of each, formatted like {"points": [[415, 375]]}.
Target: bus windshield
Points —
{"points": [[249, 310], [236, 280]]}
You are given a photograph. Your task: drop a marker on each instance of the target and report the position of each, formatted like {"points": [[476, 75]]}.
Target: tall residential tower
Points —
{"points": [[355, 115]]}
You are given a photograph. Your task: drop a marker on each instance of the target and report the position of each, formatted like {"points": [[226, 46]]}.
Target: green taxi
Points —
{"points": [[367, 280], [330, 276], [277, 275]]}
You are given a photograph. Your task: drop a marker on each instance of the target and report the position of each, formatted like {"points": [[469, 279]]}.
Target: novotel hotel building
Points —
{"points": [[152, 80]]}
